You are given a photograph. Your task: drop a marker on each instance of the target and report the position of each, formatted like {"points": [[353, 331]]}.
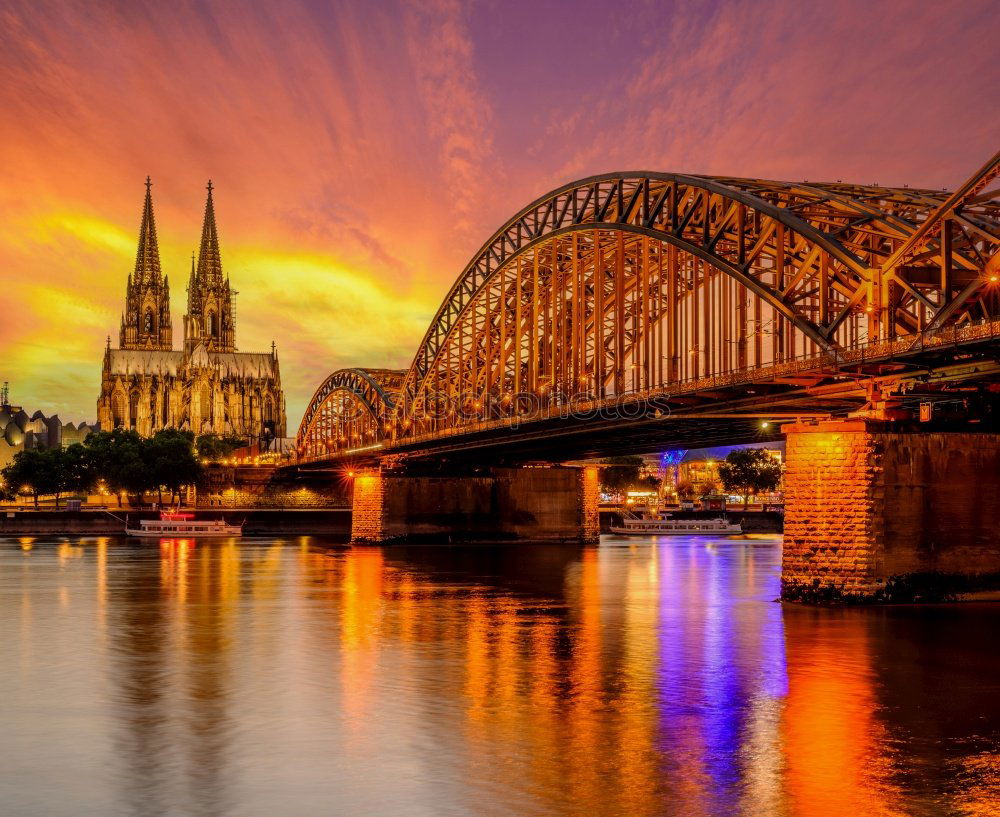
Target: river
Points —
{"points": [[642, 677]]}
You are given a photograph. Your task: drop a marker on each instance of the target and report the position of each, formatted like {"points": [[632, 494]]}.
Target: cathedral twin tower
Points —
{"points": [[206, 387], [146, 320]]}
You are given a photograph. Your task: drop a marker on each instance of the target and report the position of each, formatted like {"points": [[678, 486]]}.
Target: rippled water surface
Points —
{"points": [[642, 677]]}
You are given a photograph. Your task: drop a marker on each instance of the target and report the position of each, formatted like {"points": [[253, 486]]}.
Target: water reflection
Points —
{"points": [[642, 677]]}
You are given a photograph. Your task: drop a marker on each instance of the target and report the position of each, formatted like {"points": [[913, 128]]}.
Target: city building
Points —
{"points": [[20, 431], [694, 473], [207, 386]]}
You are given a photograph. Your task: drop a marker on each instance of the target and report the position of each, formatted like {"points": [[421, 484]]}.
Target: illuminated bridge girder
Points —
{"points": [[636, 281], [350, 409], [645, 282]]}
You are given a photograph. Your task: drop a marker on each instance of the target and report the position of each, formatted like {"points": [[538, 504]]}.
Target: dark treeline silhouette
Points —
{"points": [[621, 474], [119, 461], [750, 471]]}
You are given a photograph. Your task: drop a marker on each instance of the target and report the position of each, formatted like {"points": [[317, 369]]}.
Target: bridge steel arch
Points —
{"points": [[633, 281], [350, 409]]}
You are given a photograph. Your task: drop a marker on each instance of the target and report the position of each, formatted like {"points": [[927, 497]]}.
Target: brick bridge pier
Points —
{"points": [[874, 510], [546, 504]]}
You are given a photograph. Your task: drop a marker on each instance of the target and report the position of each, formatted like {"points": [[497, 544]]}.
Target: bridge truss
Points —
{"points": [[637, 282], [350, 409]]}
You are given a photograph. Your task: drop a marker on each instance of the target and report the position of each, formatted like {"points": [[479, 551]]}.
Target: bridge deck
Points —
{"points": [[730, 408]]}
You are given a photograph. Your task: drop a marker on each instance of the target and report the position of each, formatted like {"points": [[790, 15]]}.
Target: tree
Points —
{"points": [[41, 471], [710, 487], [618, 474], [685, 489], [80, 472], [132, 474], [55, 476], [23, 472], [648, 483], [749, 471], [102, 453], [213, 447], [171, 458], [118, 458]]}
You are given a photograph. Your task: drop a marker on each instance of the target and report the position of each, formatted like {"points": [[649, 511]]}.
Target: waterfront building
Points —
{"points": [[208, 386], [695, 472], [20, 430]]}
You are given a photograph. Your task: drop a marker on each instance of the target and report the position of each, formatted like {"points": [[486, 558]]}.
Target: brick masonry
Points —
{"points": [[589, 502], [865, 504], [368, 511], [555, 504], [248, 486]]}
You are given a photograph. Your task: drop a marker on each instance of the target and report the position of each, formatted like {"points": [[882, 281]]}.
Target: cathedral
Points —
{"points": [[206, 387]]}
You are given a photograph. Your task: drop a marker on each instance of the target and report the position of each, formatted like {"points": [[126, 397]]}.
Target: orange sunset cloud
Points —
{"points": [[362, 152]]}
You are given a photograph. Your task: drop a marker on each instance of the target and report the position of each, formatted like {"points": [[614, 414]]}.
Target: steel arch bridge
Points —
{"points": [[637, 282], [350, 409]]}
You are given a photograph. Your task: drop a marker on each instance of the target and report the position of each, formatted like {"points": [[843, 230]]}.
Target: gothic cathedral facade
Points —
{"points": [[207, 387]]}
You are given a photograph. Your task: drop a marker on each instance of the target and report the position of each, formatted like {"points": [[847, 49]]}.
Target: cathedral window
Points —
{"points": [[147, 326], [206, 404], [118, 410], [133, 405]]}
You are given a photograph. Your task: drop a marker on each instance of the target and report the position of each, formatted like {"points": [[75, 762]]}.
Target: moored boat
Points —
{"points": [[666, 525], [174, 524]]}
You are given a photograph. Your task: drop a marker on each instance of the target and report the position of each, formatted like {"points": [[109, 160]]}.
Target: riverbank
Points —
{"points": [[267, 521], [334, 522]]}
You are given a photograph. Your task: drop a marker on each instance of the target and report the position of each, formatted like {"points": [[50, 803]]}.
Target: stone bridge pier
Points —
{"points": [[874, 512], [529, 504]]}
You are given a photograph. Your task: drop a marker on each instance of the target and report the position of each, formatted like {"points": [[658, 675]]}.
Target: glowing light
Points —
{"points": [[765, 424]]}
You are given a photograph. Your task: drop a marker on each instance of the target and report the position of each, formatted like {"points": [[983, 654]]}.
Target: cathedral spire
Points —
{"points": [[146, 319], [147, 259], [209, 259], [209, 317]]}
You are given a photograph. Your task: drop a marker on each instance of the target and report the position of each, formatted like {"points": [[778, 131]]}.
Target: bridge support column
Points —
{"points": [[554, 504], [877, 513]]}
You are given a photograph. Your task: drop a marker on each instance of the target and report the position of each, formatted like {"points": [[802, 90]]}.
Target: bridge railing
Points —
{"points": [[621, 404]]}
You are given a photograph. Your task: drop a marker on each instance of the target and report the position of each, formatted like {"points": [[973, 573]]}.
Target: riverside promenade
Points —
{"points": [[332, 522]]}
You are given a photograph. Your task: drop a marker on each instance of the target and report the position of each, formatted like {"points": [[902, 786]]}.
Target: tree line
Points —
{"points": [[750, 471], [746, 472], [621, 474], [121, 461]]}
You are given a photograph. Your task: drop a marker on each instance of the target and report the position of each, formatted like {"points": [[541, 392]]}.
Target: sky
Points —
{"points": [[362, 151]]}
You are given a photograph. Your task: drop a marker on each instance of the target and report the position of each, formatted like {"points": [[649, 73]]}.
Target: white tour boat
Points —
{"points": [[183, 525], [666, 525]]}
